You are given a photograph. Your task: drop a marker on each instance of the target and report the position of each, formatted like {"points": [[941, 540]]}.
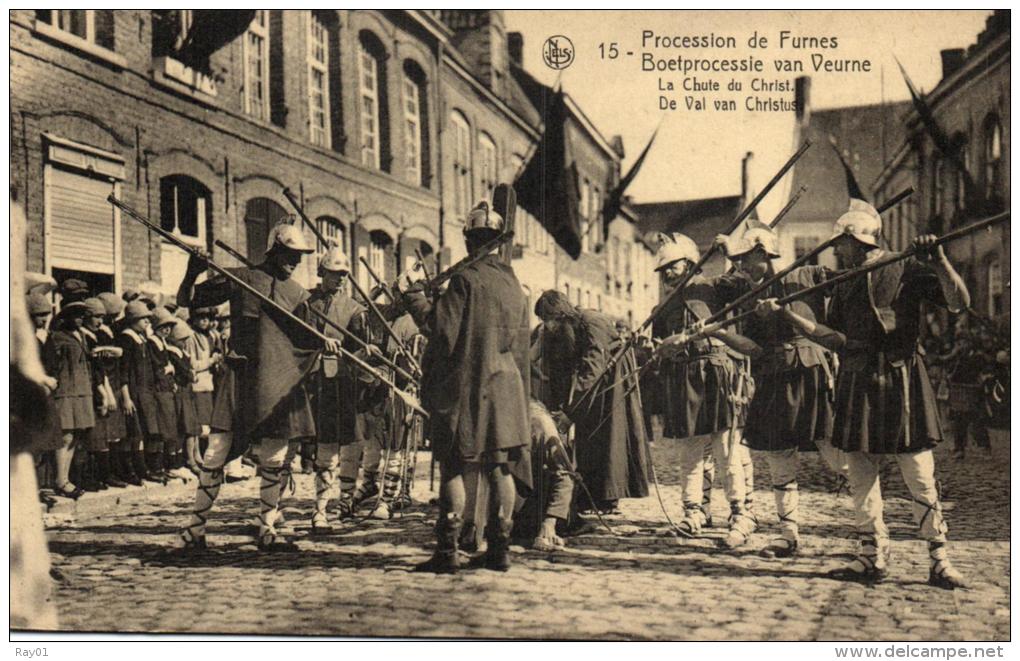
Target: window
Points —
{"points": [[333, 231], [937, 192], [260, 214], [184, 208], [486, 164], [185, 205], [379, 248], [993, 160], [960, 188], [94, 26], [256, 66], [318, 81], [994, 286], [372, 102], [416, 126], [802, 245], [461, 134], [584, 226], [498, 61], [596, 209]]}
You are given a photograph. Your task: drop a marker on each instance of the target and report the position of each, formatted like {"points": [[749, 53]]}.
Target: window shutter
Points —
{"points": [[81, 222]]}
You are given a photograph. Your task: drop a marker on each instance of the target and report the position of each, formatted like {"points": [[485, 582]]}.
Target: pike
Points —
{"points": [[326, 320], [354, 283], [629, 343], [800, 261], [874, 266], [191, 250]]}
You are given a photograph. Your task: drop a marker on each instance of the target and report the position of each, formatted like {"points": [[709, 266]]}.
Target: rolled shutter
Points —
{"points": [[81, 222]]}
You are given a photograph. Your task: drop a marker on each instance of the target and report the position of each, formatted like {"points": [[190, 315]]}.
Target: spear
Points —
{"points": [[629, 343], [169, 236], [354, 282], [326, 320]]}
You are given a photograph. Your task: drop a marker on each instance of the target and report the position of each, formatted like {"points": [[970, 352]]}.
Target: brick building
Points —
{"points": [[971, 105], [387, 125]]}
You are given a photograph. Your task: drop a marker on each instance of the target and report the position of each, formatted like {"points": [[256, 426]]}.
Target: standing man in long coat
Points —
{"points": [[475, 389], [261, 398], [885, 405], [612, 455]]}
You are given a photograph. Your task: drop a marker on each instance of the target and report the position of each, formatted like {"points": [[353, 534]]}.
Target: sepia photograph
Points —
{"points": [[686, 326]]}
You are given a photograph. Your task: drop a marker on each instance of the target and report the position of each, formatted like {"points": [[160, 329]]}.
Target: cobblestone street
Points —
{"points": [[119, 572]]}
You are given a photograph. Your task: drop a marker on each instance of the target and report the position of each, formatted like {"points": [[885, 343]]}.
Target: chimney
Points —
{"points": [[515, 44], [616, 142], [952, 60], [744, 179], [802, 97]]}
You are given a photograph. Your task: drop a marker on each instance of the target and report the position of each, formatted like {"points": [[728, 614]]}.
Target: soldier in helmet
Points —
{"points": [[790, 410], [335, 388], [261, 397], [884, 404], [475, 388], [700, 380]]}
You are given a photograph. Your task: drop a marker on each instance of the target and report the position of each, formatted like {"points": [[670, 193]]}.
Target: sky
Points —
{"points": [[698, 154]]}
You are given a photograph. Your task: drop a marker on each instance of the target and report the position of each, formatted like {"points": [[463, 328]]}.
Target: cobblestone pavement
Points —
{"points": [[119, 571]]}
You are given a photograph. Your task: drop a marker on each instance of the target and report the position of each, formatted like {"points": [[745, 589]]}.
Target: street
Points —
{"points": [[119, 572]]}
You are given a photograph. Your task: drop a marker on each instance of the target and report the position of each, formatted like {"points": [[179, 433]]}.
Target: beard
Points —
{"points": [[562, 341]]}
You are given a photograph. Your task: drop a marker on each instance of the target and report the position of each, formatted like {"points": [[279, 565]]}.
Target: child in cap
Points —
{"points": [[121, 467], [138, 389], [158, 453], [65, 357], [188, 427], [107, 428], [205, 361]]}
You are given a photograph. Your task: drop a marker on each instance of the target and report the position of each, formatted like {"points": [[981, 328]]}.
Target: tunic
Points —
{"points": [[884, 399], [184, 396], [137, 372], [261, 393], [695, 384], [475, 367], [335, 389], [791, 406], [199, 348], [65, 357], [111, 426], [611, 458]]}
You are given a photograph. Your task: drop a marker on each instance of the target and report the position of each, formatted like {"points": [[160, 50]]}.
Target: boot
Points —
{"points": [[444, 560], [126, 471], [87, 474], [497, 557], [149, 470], [106, 473]]}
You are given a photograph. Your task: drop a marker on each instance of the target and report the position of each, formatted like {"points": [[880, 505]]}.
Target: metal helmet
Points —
{"points": [[482, 217], [753, 238], [674, 247], [861, 221], [334, 259], [287, 236]]}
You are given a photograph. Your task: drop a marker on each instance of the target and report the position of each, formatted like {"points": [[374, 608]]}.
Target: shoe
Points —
{"points": [[74, 492], [381, 512], [863, 569], [271, 542], [191, 542], [230, 479], [468, 540], [780, 547], [742, 525], [692, 524], [944, 575], [497, 557], [46, 500], [582, 527], [445, 559], [345, 509], [364, 492], [441, 562], [321, 528], [115, 482], [548, 544]]}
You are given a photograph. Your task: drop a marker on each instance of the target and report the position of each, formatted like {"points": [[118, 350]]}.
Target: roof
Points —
{"points": [[701, 219], [866, 136]]}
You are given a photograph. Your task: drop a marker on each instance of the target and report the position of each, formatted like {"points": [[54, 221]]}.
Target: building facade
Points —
{"points": [[387, 126], [971, 106]]}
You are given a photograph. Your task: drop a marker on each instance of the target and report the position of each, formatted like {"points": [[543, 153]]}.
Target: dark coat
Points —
{"points": [[612, 458], [475, 368], [335, 389]]}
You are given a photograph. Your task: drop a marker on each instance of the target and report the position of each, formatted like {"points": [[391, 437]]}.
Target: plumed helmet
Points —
{"points": [[38, 304], [674, 247], [482, 217], [753, 238], [95, 307], [285, 235], [861, 221], [334, 259], [113, 303]]}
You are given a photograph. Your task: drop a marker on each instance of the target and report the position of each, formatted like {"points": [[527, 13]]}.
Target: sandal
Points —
{"points": [[780, 547], [548, 544]]}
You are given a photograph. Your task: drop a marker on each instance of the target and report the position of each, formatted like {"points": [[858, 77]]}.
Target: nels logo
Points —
{"points": [[558, 52]]}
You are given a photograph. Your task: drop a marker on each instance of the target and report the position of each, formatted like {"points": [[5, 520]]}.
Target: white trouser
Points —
{"points": [[368, 453], [918, 470], [692, 453], [783, 466]]}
